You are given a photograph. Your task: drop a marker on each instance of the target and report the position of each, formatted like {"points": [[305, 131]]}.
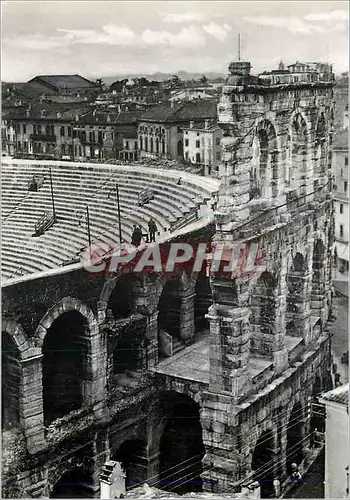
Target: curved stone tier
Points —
{"points": [[76, 185]]}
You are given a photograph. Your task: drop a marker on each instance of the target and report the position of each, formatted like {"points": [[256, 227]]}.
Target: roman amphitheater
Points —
{"points": [[194, 381]]}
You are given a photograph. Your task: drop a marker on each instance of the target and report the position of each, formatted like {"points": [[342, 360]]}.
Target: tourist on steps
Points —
{"points": [[152, 228], [136, 236]]}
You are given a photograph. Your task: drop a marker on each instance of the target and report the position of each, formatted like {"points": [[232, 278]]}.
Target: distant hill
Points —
{"points": [[160, 77]]}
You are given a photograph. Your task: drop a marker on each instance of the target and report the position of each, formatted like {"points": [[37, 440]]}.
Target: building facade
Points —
{"points": [[160, 130], [202, 146], [341, 202], [337, 446], [49, 131]]}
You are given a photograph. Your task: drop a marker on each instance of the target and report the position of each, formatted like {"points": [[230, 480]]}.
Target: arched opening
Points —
{"points": [[181, 446], [295, 434], [76, 483], [65, 354], [318, 413], [121, 300], [255, 181], [157, 146], [151, 144], [299, 151], [321, 146], [263, 464], [180, 148], [133, 459], [203, 300], [295, 296], [169, 307], [141, 143], [263, 305], [264, 161], [128, 352], [11, 371], [317, 269]]}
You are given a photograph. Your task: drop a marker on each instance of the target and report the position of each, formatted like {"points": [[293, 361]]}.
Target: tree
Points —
{"points": [[203, 80]]}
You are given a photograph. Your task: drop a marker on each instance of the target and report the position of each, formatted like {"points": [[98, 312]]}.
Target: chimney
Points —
{"points": [[191, 124], [43, 113], [206, 124], [28, 113], [58, 115]]}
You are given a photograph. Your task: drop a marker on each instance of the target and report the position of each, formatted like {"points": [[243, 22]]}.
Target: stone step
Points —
{"points": [[178, 345]]}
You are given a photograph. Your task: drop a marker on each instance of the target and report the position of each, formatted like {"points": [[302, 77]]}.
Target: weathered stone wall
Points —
{"points": [[268, 337]]}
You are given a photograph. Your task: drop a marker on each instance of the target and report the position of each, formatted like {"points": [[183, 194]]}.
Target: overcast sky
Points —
{"points": [[102, 38]]}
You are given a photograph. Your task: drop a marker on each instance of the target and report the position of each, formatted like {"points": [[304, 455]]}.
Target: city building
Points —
{"points": [[42, 130], [202, 146], [160, 129], [50, 130], [190, 94], [341, 96], [99, 366], [130, 147], [64, 85], [337, 448], [99, 133], [341, 202]]}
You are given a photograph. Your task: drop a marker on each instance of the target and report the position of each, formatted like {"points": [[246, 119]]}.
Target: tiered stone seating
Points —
{"points": [[78, 185]]}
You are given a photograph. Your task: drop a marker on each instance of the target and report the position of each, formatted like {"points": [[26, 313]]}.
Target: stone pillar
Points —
{"points": [[94, 390], [229, 350], [187, 328], [31, 402], [145, 302], [221, 463]]}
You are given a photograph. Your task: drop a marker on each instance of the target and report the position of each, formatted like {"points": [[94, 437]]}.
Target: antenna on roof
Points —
{"points": [[239, 47]]}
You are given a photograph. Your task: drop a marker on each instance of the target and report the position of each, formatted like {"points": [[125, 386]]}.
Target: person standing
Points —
{"points": [[152, 228]]}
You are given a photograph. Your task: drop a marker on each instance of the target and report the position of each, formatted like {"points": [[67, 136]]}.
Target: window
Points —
{"points": [[186, 155], [47, 129], [63, 149], [341, 230], [24, 129], [218, 141], [127, 145], [186, 142], [346, 161], [197, 144], [341, 208], [341, 173], [218, 155], [69, 131], [62, 131], [345, 186]]}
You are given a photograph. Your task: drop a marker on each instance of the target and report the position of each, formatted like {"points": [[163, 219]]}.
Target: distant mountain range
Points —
{"points": [[160, 77]]}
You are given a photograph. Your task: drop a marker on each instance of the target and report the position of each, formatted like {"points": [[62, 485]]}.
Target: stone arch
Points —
{"points": [[74, 483], [132, 455], [106, 296], [321, 152], [66, 335], [263, 463], [264, 172], [296, 296], [181, 445], [263, 317], [299, 150], [16, 332], [295, 435]]}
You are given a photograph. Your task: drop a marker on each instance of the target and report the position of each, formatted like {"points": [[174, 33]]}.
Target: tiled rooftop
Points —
{"points": [[64, 81], [338, 395], [182, 111]]}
